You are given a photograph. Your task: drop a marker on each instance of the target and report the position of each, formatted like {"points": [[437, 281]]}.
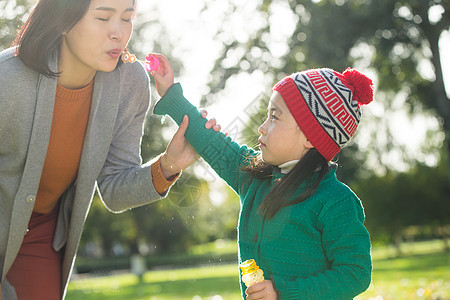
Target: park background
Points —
{"points": [[228, 54]]}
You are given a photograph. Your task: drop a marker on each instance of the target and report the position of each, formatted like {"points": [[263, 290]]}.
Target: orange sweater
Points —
{"points": [[70, 119]]}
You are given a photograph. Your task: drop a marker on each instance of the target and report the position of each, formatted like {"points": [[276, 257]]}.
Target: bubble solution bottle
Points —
{"points": [[251, 273]]}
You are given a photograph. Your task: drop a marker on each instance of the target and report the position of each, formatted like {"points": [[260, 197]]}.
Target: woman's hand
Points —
{"points": [[164, 76], [261, 290], [179, 153]]}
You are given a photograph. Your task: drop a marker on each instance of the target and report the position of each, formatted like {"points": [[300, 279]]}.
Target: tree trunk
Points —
{"points": [[433, 34], [398, 243]]}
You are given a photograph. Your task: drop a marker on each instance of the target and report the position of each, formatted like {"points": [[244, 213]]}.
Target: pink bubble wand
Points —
{"points": [[151, 62]]}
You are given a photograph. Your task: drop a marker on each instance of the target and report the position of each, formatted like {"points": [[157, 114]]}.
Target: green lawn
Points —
{"points": [[422, 273], [190, 283]]}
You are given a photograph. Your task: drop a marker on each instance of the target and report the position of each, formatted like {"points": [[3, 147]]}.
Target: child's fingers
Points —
{"points": [[164, 64], [161, 57], [210, 123], [159, 75], [261, 290], [257, 287], [156, 75]]}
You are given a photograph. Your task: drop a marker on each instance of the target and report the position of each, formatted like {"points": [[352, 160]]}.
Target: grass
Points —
{"points": [[422, 273], [204, 282]]}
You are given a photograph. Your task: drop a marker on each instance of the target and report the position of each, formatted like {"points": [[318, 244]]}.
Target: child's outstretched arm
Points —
{"points": [[223, 155], [179, 153]]}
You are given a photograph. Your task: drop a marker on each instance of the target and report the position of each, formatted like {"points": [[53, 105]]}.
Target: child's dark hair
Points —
{"points": [[310, 170]]}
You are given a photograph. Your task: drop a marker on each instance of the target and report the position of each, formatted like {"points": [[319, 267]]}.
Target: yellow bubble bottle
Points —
{"points": [[251, 273]]}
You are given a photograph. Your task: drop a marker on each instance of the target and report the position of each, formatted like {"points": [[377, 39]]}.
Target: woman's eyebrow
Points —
{"points": [[105, 8]]}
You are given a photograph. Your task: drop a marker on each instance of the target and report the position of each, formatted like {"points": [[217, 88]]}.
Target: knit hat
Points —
{"points": [[326, 105]]}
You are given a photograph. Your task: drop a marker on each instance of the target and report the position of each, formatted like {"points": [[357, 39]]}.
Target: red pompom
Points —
{"points": [[360, 84]]}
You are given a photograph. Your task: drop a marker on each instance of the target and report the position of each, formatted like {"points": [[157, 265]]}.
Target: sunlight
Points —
{"points": [[444, 47]]}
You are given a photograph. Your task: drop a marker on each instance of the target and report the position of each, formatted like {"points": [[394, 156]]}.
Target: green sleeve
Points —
{"points": [[346, 243], [219, 151]]}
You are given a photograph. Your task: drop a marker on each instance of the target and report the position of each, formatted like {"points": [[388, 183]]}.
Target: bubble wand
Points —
{"points": [[151, 62]]}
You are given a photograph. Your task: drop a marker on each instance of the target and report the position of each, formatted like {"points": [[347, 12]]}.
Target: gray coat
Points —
{"points": [[110, 157]]}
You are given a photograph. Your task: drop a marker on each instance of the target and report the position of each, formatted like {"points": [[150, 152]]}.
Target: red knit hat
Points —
{"points": [[326, 105]]}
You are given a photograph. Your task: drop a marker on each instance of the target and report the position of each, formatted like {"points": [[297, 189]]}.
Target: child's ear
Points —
{"points": [[307, 144]]}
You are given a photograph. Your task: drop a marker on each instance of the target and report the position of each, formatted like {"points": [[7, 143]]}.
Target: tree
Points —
{"points": [[396, 201], [408, 39], [393, 39], [11, 14]]}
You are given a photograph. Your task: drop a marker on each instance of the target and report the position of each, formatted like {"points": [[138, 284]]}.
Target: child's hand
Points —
{"points": [[164, 76], [261, 290], [212, 123]]}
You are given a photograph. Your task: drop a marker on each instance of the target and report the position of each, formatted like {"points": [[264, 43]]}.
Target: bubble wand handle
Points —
{"points": [[251, 273]]}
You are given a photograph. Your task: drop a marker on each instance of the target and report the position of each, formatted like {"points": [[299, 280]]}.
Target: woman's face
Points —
{"points": [[96, 42], [281, 139]]}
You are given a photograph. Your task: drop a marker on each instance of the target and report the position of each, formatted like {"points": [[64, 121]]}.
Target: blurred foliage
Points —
{"points": [[398, 201], [11, 14], [393, 39]]}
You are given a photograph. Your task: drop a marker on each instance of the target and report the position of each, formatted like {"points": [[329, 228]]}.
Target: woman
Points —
{"points": [[71, 118]]}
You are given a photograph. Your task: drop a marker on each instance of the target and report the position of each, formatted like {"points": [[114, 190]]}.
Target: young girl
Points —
{"points": [[303, 227], [71, 118]]}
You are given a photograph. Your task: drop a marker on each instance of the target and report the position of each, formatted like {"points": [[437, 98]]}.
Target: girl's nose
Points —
{"points": [[262, 128]]}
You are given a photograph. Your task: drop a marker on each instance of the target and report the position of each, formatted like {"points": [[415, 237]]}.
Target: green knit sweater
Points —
{"points": [[317, 249]]}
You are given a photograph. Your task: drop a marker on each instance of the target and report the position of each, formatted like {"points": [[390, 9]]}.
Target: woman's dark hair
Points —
{"points": [[41, 34], [309, 171]]}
